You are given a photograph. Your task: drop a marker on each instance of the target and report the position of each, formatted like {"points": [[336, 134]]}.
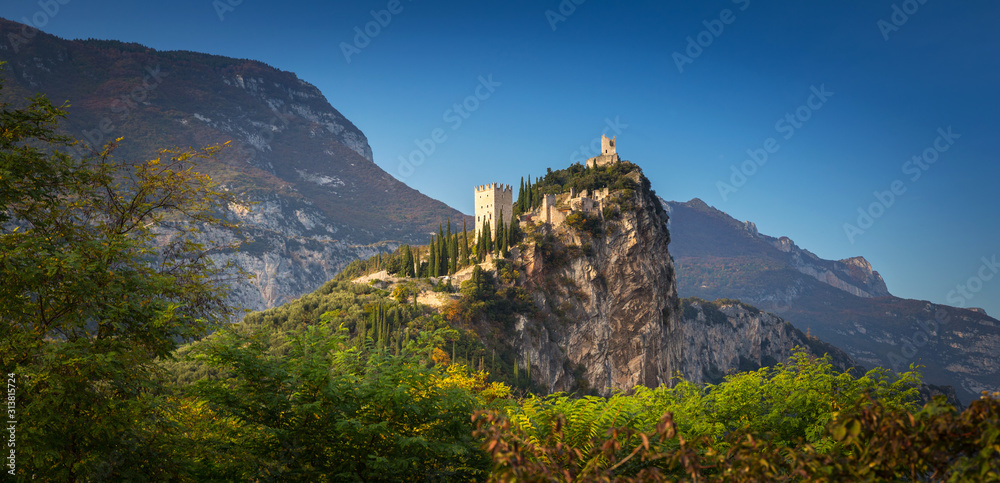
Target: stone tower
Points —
{"points": [[491, 200], [609, 153], [608, 146]]}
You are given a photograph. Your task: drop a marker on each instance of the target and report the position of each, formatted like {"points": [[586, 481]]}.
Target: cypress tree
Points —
{"points": [[488, 237], [465, 245], [500, 236], [528, 199], [407, 261], [442, 257], [453, 253], [432, 262], [520, 198], [480, 247]]}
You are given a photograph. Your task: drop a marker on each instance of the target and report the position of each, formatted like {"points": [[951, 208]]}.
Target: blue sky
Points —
{"points": [[559, 73]]}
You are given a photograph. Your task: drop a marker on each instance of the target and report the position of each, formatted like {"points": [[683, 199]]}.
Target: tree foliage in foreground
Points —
{"points": [[874, 443], [793, 421], [331, 411], [87, 302]]}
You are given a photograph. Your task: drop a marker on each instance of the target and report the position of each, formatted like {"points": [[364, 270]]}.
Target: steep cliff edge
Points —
{"points": [[608, 314]]}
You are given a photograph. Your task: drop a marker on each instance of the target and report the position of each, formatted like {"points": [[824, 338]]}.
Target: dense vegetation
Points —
{"points": [[356, 382]]}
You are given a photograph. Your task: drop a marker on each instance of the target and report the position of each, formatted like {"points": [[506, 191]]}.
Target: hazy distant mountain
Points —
{"points": [[322, 201], [843, 302]]}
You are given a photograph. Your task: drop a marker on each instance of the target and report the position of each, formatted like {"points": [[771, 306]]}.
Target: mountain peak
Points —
{"points": [[861, 271]]}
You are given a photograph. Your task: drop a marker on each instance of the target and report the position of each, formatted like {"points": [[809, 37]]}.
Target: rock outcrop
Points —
{"points": [[609, 317], [725, 337]]}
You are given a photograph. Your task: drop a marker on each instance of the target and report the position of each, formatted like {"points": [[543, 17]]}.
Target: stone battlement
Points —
{"points": [[494, 186]]}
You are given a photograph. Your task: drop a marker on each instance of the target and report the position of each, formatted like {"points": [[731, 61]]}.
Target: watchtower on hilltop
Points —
{"points": [[492, 200], [609, 153], [608, 146]]}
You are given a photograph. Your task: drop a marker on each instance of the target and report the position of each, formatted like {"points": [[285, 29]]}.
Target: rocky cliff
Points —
{"points": [[725, 337], [321, 201], [609, 317], [843, 302]]}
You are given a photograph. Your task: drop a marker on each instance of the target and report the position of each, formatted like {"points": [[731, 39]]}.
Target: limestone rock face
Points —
{"points": [[722, 338], [725, 337], [321, 201], [291, 250], [609, 316]]}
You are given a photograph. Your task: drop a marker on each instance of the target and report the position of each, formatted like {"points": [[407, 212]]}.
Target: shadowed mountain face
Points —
{"points": [[321, 201], [288, 141], [843, 302]]}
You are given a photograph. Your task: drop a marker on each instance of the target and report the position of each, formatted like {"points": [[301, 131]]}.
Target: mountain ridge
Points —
{"points": [[321, 201], [720, 257]]}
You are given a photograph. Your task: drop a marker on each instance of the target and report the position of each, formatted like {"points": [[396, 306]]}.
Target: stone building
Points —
{"points": [[555, 208], [609, 153], [492, 200]]}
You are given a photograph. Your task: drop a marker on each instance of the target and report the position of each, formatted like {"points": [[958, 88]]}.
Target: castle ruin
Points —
{"points": [[555, 208], [492, 200], [609, 153]]}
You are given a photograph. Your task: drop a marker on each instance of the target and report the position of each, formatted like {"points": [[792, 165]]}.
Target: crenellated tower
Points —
{"points": [[491, 200]]}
